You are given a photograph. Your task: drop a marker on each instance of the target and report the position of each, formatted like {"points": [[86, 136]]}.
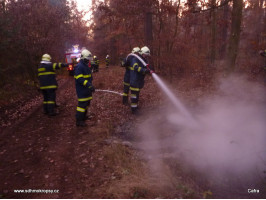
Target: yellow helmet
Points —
{"points": [[145, 51], [86, 54], [46, 57], [136, 50]]}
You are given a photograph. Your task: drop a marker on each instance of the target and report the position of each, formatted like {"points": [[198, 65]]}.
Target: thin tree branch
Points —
{"points": [[213, 7]]}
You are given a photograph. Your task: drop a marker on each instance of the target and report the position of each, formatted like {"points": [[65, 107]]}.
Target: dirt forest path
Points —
{"points": [[52, 154]]}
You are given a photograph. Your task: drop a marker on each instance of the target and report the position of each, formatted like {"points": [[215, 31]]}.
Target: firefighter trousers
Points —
{"points": [[49, 96], [82, 110], [134, 100], [125, 93], [96, 68]]}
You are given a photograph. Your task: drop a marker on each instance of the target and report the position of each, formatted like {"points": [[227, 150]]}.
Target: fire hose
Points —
{"points": [[114, 92]]}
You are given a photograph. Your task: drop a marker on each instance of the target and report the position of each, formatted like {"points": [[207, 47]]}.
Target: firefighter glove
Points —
{"points": [[147, 71], [92, 89], [64, 65]]}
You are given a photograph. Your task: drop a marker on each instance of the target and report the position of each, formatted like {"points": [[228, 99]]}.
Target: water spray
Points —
{"points": [[176, 102], [109, 91]]}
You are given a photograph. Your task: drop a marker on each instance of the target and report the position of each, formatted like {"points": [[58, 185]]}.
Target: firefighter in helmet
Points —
{"points": [[126, 64], [262, 53], [107, 61], [96, 64], [92, 62], [74, 62], [48, 83], [138, 69], [84, 87]]}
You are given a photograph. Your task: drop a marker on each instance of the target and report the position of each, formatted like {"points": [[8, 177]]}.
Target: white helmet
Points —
{"points": [[136, 50], [85, 54], [46, 57], [145, 51]]}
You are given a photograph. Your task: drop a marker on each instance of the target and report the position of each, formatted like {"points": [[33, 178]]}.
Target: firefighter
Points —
{"points": [[138, 70], [48, 83], [84, 87], [262, 53], [74, 64], [107, 61], [122, 60], [126, 63], [92, 65], [96, 64]]}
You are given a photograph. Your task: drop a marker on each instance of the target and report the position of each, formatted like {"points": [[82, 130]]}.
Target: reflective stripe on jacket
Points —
{"points": [[127, 72], [83, 81], [97, 62], [137, 74], [46, 74]]}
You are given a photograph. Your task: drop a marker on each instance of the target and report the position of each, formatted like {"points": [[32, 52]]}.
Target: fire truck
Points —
{"points": [[72, 57]]}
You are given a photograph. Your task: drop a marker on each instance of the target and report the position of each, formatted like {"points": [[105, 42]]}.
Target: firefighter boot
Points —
{"points": [[51, 111], [80, 119], [52, 114], [45, 110], [86, 117], [135, 111], [125, 100], [81, 123]]}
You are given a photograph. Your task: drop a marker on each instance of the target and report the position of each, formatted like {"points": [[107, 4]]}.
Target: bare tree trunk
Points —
{"points": [[234, 35], [213, 32], [113, 53], [224, 30], [176, 25], [263, 39], [259, 19], [158, 38], [148, 29]]}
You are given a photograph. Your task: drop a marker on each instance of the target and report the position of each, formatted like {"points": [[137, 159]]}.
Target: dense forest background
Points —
{"points": [[195, 37]]}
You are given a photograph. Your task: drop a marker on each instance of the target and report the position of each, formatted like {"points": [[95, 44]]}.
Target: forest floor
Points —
{"points": [[102, 160]]}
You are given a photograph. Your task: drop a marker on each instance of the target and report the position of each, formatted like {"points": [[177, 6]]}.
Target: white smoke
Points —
{"points": [[229, 136]]}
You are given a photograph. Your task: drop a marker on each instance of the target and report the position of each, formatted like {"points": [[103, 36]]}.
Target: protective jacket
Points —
{"points": [[97, 62], [137, 73], [263, 53], [83, 80], [126, 64], [46, 74], [107, 60]]}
